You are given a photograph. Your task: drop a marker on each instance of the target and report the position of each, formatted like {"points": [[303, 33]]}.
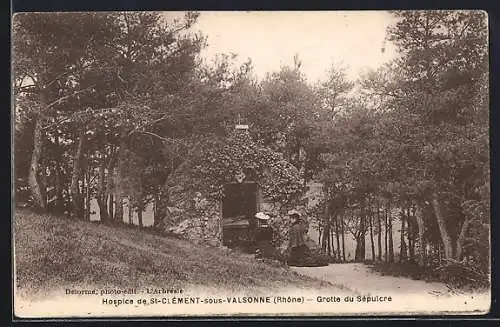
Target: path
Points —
{"points": [[409, 295], [360, 278]]}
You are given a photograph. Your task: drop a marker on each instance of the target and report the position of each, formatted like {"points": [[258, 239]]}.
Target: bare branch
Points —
{"points": [[164, 117], [57, 123], [26, 88], [389, 94], [56, 79], [464, 29], [58, 101], [74, 115], [157, 136]]}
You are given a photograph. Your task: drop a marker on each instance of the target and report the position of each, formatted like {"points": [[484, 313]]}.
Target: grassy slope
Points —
{"points": [[57, 252]]}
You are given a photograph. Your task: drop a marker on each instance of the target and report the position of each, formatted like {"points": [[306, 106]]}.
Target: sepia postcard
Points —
{"points": [[229, 164]]}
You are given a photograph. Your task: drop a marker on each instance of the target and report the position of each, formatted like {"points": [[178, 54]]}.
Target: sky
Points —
{"points": [[271, 39]]}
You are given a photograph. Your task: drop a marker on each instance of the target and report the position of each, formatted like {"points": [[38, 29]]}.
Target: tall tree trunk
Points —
{"points": [[326, 228], [139, 214], [411, 234], [329, 244], [44, 180], [379, 235], [386, 238], [220, 223], [371, 237], [445, 236], [161, 208], [324, 240], [391, 242], [343, 241], [342, 230], [118, 217], [130, 210], [68, 203], [88, 207], [410, 241], [119, 187], [101, 191], [421, 230], [360, 252], [83, 193], [109, 197], [402, 248], [461, 239], [111, 207], [332, 242], [36, 185], [156, 204], [337, 236], [59, 204], [76, 198], [357, 249]]}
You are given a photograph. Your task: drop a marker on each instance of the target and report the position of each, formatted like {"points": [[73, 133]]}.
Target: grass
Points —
{"points": [[55, 252]]}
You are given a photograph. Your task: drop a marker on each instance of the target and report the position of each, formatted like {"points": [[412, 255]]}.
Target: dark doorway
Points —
{"points": [[239, 207], [239, 200]]}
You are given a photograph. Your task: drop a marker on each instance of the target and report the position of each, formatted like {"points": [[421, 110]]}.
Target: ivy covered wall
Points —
{"points": [[192, 205]]}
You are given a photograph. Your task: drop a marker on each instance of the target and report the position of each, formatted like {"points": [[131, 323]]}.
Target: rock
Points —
{"points": [[180, 228], [192, 216]]}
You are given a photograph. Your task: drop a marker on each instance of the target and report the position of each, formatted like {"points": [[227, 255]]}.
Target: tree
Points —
{"points": [[444, 53], [334, 92], [105, 58], [284, 120], [48, 56]]}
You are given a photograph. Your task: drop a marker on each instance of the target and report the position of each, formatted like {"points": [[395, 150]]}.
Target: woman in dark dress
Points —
{"points": [[297, 248]]}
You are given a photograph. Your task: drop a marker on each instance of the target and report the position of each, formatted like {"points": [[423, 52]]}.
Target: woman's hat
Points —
{"points": [[261, 215]]}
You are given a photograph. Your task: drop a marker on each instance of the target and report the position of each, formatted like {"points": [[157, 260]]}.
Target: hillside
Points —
{"points": [[54, 253]]}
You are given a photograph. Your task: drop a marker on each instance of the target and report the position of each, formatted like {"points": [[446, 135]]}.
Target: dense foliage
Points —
{"points": [[224, 159]]}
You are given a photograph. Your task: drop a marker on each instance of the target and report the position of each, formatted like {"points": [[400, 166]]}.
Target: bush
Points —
{"points": [[406, 269], [462, 274], [457, 274]]}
